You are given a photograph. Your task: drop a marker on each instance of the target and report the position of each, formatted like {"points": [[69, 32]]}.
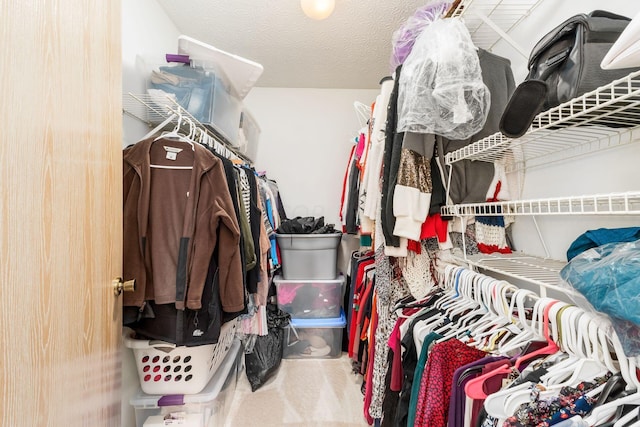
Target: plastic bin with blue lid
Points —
{"points": [[314, 338]]}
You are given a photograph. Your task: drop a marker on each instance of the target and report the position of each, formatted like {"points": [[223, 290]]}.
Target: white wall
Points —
{"points": [[305, 142], [146, 30], [149, 32], [608, 171]]}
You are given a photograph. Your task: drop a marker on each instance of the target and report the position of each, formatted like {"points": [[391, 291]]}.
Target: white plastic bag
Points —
{"points": [[441, 89]]}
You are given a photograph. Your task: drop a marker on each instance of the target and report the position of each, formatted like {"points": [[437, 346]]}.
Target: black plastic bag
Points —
{"points": [[265, 359], [306, 225]]}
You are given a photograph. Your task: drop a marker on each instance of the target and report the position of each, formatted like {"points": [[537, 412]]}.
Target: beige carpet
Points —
{"points": [[321, 392]]}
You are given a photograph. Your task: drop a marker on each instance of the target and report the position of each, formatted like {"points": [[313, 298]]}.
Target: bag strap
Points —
{"points": [[605, 14]]}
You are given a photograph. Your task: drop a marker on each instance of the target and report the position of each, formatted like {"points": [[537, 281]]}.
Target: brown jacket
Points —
{"points": [[209, 220]]}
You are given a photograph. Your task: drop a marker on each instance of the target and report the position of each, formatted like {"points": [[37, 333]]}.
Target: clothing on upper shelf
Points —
{"points": [[470, 180], [594, 238]]}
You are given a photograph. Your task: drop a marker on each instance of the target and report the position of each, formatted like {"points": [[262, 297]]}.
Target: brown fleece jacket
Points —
{"points": [[173, 220]]}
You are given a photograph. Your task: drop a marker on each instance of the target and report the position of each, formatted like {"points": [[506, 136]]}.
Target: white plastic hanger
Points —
{"points": [[363, 113], [625, 419], [625, 52], [602, 413], [161, 126], [175, 133]]}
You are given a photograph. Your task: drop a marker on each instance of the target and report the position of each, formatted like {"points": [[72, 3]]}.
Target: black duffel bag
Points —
{"points": [[564, 64]]}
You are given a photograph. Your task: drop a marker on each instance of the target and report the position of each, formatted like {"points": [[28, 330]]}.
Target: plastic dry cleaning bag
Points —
{"points": [[404, 37], [608, 276], [441, 89]]}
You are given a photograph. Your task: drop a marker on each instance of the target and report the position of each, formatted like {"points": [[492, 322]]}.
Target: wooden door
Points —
{"points": [[60, 212]]}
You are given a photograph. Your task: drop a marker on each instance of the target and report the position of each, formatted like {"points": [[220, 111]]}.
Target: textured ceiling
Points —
{"points": [[350, 49]]}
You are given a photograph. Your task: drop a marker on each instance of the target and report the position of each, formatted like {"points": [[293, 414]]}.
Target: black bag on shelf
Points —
{"points": [[564, 64]]}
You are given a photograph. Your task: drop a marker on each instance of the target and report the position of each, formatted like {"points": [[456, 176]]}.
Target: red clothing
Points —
{"points": [[433, 226], [368, 394], [434, 397], [357, 297]]}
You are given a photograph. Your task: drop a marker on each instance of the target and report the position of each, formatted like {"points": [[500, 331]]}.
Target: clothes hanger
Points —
{"points": [[628, 418], [515, 400], [602, 413], [528, 333], [475, 388], [175, 133], [579, 366], [161, 126], [460, 300], [495, 299], [363, 113]]}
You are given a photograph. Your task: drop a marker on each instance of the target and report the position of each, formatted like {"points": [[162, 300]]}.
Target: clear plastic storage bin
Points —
{"points": [[208, 408], [314, 338], [251, 132], [305, 299], [201, 90], [309, 256]]}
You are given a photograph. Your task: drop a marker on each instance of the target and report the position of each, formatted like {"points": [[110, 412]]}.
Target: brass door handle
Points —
{"points": [[119, 286]]}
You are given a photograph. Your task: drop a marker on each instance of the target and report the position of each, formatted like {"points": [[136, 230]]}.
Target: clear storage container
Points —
{"points": [[201, 90], [314, 338], [251, 131], [310, 299]]}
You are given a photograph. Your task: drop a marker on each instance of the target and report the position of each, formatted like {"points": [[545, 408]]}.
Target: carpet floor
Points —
{"points": [[304, 393]]}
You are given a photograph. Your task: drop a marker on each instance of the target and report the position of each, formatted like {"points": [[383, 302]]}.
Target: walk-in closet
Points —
{"points": [[320, 213]]}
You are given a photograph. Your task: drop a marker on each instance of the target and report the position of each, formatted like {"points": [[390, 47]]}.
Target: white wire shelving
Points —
{"points": [[606, 117], [154, 110], [600, 204], [542, 272], [489, 21]]}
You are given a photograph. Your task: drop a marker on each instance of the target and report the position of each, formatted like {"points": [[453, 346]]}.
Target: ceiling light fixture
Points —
{"points": [[318, 9]]}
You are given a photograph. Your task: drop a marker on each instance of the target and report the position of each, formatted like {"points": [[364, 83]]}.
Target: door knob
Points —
{"points": [[119, 285]]}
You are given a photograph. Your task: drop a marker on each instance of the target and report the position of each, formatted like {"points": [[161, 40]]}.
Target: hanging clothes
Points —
{"points": [[173, 221]]}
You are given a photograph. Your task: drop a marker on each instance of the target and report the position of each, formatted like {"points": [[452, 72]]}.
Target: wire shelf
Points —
{"points": [[154, 109], [543, 272], [505, 14], [606, 117], [602, 204]]}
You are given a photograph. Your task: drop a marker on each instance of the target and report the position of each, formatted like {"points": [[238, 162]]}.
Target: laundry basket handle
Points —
{"points": [[130, 342]]}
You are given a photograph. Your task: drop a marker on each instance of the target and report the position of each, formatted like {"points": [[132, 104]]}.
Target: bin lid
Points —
{"points": [[332, 322], [241, 72], [208, 394], [308, 235], [279, 280]]}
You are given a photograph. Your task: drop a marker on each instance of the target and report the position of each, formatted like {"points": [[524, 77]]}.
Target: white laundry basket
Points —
{"points": [[164, 368]]}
